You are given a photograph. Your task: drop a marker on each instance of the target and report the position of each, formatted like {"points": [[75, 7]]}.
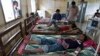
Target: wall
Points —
{"points": [[24, 8], [51, 5], [2, 22]]}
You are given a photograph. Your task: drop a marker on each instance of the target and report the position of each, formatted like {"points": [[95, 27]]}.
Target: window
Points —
{"points": [[11, 9], [8, 10], [91, 8], [33, 5]]}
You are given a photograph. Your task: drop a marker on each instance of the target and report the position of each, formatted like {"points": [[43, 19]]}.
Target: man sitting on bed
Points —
{"points": [[56, 17], [52, 45]]}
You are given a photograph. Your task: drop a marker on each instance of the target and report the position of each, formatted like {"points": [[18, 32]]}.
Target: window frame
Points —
{"points": [[13, 13]]}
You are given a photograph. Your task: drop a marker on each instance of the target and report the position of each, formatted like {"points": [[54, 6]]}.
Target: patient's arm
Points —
{"points": [[74, 31], [77, 51], [70, 31]]}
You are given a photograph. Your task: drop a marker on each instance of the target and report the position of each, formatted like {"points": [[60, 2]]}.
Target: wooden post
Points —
{"points": [[97, 48], [2, 47], [21, 30]]}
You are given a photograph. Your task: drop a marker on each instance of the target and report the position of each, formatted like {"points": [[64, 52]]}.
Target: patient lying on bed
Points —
{"points": [[72, 28], [52, 45]]}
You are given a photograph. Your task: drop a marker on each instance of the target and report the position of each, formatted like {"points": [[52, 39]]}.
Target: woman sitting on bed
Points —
{"points": [[53, 45]]}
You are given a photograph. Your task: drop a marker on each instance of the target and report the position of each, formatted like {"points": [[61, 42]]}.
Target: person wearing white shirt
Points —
{"points": [[16, 9], [72, 12]]}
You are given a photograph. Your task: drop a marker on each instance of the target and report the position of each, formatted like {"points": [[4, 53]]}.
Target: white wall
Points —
{"points": [[51, 5], [1, 17]]}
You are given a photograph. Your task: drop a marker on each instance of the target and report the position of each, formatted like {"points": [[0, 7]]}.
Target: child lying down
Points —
{"points": [[52, 45]]}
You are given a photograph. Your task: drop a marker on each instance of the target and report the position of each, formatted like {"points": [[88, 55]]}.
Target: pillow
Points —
{"points": [[89, 43]]}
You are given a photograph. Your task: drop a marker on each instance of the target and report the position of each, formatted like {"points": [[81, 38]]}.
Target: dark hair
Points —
{"points": [[85, 37], [15, 2], [74, 25], [32, 13], [73, 3], [58, 10]]}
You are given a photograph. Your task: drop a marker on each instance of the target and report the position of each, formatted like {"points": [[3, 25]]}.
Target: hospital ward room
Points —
{"points": [[49, 27]]}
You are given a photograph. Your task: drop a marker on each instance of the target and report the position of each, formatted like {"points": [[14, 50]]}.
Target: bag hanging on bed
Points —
{"points": [[94, 23], [89, 51]]}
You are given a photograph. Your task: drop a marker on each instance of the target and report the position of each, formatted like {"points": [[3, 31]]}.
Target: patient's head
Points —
{"points": [[83, 37], [73, 25]]}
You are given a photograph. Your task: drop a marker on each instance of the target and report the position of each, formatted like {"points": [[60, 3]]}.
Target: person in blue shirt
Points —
{"points": [[55, 18], [57, 15]]}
